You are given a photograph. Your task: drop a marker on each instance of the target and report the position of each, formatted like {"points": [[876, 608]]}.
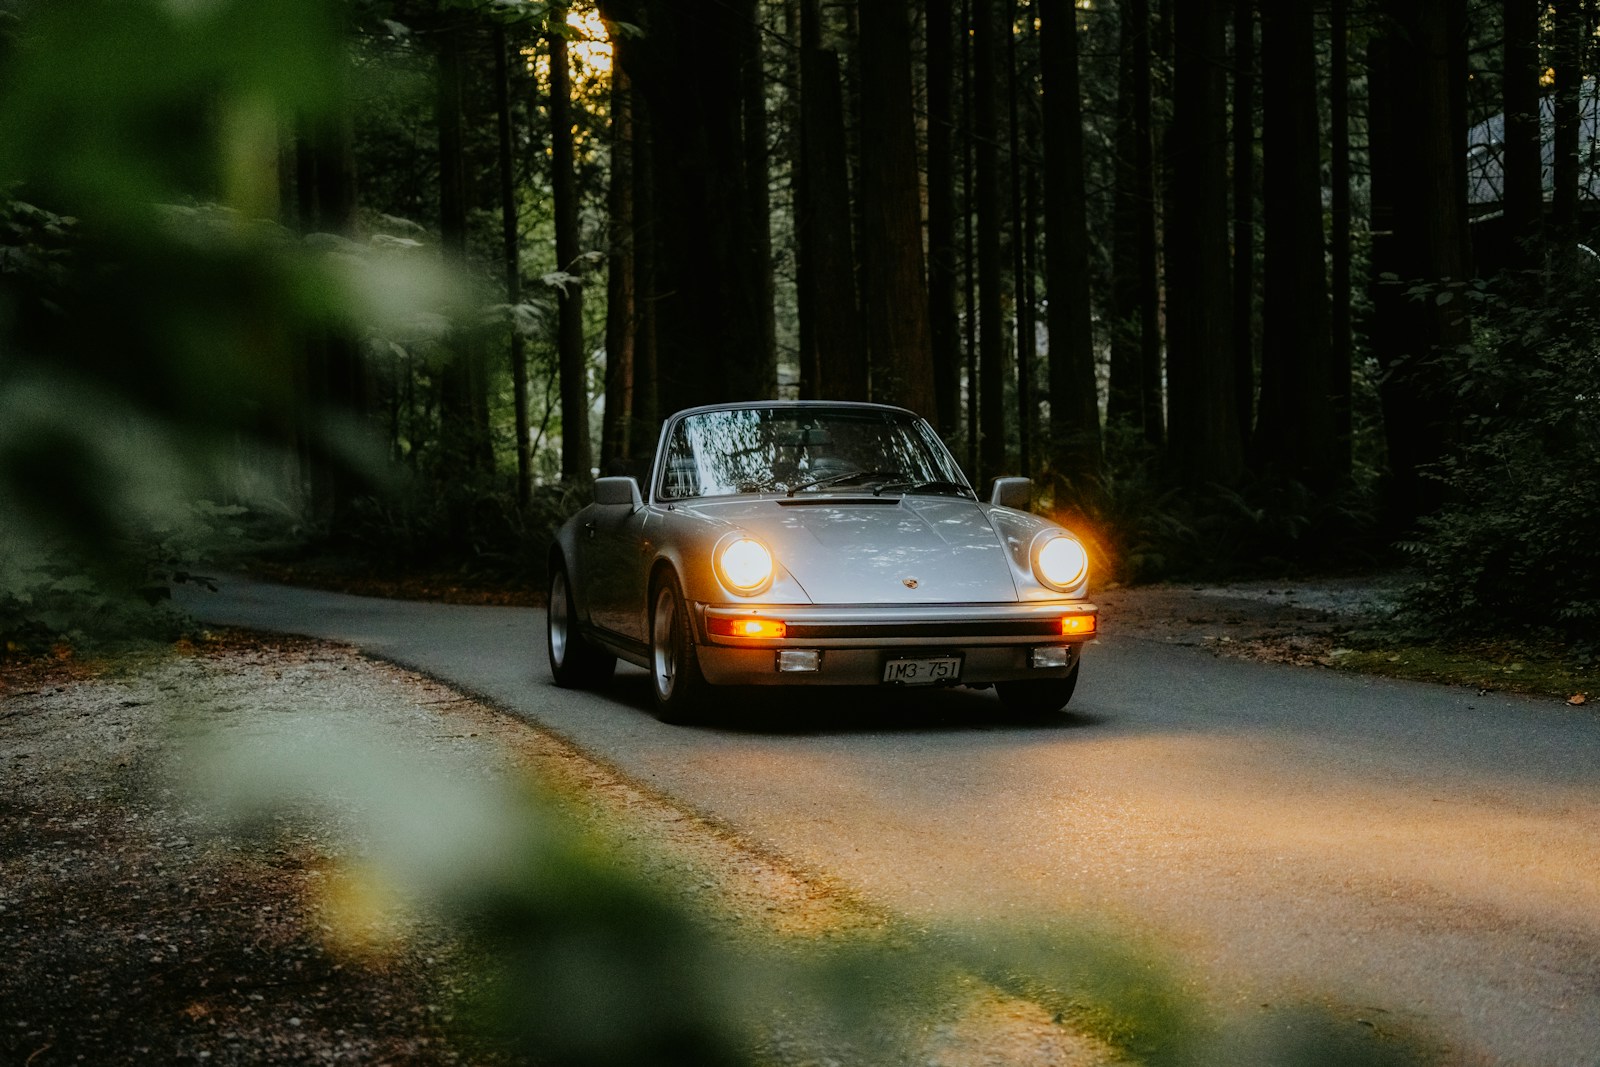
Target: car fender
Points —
{"points": [[1017, 530], [564, 550], [685, 542]]}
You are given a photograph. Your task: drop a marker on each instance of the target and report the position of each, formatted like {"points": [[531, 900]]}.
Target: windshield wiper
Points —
{"points": [[835, 479], [936, 485]]}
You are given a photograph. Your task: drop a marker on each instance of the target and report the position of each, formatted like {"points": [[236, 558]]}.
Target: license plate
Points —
{"points": [[926, 671]]}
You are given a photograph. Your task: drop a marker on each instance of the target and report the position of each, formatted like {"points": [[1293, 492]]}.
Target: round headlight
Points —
{"points": [[1060, 562], [745, 565]]}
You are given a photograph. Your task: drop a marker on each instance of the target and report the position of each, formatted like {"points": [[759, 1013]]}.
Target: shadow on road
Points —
{"points": [[841, 710]]}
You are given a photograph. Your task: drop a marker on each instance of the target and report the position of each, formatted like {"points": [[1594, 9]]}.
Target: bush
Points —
{"points": [[1515, 540], [1140, 529]]}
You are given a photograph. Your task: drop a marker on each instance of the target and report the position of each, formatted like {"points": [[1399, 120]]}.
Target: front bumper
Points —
{"points": [[996, 642]]}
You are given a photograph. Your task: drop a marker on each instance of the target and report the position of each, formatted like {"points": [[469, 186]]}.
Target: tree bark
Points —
{"points": [[621, 310], [1135, 395], [1523, 188], [1074, 398], [969, 242], [892, 285], [1203, 420], [1296, 432], [707, 304], [1244, 213], [1341, 362], [576, 458], [828, 294], [647, 414], [1419, 236], [758, 200], [944, 328], [991, 323], [1567, 54], [463, 385], [1026, 343], [511, 247], [334, 379]]}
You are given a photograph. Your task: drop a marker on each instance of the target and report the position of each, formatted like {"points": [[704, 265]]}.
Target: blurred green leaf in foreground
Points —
{"points": [[157, 325], [579, 961]]}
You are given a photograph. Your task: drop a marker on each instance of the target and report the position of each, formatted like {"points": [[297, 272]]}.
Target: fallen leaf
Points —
{"points": [[1577, 698]]}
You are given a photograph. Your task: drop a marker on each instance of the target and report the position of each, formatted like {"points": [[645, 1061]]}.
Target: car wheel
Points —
{"points": [[675, 679], [576, 662], [1042, 696]]}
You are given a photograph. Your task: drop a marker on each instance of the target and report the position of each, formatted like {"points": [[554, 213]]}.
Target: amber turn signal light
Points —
{"points": [[1077, 625], [746, 627]]}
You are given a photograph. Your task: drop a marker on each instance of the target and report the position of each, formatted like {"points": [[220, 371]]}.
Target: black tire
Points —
{"points": [[679, 689], [1037, 698], [576, 662]]}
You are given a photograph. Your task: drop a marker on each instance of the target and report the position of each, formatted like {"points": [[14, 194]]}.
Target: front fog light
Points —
{"points": [[1056, 656], [793, 660]]}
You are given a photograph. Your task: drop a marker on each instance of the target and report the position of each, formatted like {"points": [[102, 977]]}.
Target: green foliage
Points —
{"points": [[1515, 539], [472, 526], [1142, 529], [154, 325]]}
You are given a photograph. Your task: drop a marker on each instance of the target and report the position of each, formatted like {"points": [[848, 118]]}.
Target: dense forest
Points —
{"points": [[1238, 284]]}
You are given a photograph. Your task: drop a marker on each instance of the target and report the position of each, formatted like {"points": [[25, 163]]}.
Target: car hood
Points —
{"points": [[915, 549]]}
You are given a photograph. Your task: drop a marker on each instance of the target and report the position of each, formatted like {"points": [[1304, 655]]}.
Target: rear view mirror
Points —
{"points": [[617, 490], [1012, 493]]}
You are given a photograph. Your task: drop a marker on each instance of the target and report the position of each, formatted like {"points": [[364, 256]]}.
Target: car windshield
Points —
{"points": [[805, 450]]}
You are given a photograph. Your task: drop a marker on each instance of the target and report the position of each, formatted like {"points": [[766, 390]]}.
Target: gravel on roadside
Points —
{"points": [[134, 929]]}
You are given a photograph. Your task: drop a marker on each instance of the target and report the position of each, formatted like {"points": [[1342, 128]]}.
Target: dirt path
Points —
{"points": [[134, 930]]}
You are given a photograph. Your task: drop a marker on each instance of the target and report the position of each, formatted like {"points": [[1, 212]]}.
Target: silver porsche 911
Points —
{"points": [[815, 543]]}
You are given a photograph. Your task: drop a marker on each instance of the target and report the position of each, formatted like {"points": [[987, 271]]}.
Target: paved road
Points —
{"points": [[1423, 855]]}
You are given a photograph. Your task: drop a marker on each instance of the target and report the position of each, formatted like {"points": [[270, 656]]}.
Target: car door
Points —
{"points": [[614, 552]]}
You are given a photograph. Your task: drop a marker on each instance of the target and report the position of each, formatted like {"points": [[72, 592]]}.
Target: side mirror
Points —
{"points": [[617, 490], [1012, 493]]}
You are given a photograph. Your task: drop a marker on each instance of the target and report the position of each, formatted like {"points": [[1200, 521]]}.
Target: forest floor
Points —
{"points": [[134, 929]]}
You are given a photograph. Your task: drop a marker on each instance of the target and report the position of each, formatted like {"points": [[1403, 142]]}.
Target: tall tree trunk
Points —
{"points": [[837, 358], [708, 302], [1342, 360], [1244, 212], [991, 326], [1296, 432], [511, 245], [968, 243], [758, 201], [1026, 345], [1419, 235], [621, 310], [1203, 420], [1523, 189], [797, 27], [647, 414], [1074, 398], [461, 443], [334, 380], [892, 284], [576, 458], [1134, 392], [944, 328], [1567, 53]]}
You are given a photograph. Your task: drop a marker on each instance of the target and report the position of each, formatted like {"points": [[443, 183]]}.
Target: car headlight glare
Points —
{"points": [[1061, 562], [745, 565]]}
